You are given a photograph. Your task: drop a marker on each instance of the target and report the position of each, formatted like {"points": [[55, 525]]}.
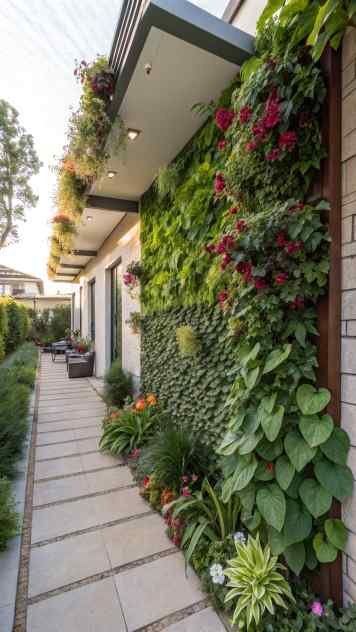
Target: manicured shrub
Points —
{"points": [[118, 385], [3, 328], [18, 325], [8, 515]]}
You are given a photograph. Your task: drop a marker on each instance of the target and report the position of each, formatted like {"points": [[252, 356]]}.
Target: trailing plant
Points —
{"points": [[167, 181], [174, 456], [117, 385], [188, 341], [207, 517], [128, 429], [209, 560], [8, 516], [135, 322], [256, 585]]}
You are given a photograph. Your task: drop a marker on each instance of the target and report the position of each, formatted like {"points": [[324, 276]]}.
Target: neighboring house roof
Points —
{"points": [[9, 275]]}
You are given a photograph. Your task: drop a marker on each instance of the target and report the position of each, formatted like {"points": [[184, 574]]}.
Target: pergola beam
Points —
{"points": [[84, 253], [77, 266], [119, 205]]}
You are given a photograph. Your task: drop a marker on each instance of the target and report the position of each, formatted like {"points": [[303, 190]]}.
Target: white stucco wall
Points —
{"points": [[123, 243], [248, 14]]}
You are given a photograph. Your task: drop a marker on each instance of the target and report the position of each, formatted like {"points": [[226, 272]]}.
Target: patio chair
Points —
{"points": [[58, 348], [82, 366]]}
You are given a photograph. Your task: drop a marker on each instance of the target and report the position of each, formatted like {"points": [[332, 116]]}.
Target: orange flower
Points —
{"points": [[151, 399], [167, 497], [140, 404]]}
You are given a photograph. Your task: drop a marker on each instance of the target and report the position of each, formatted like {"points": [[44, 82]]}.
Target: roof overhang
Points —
{"points": [[193, 56]]}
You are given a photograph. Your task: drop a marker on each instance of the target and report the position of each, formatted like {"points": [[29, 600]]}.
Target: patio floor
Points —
{"points": [[99, 557]]}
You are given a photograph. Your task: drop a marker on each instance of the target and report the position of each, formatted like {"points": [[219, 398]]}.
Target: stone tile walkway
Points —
{"points": [[100, 560]]}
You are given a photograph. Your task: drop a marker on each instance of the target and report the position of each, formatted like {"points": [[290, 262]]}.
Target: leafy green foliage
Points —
{"points": [[256, 584], [128, 430], [3, 328], [207, 516], [173, 453], [50, 325], [188, 342], [8, 515], [18, 324], [118, 385], [191, 390]]}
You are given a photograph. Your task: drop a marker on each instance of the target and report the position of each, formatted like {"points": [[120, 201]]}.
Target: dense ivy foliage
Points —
{"points": [[191, 389]]}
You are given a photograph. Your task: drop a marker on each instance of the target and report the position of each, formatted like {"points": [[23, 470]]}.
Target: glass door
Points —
{"points": [[116, 313], [92, 309]]}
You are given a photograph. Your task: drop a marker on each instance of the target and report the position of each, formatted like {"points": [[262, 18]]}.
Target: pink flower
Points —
{"points": [[260, 284], [186, 491], [219, 184], [259, 130], [241, 225], [281, 239], [129, 278], [226, 244], [222, 145], [245, 114], [317, 608], [281, 278], [245, 268], [176, 540], [135, 453], [223, 296], [224, 118], [185, 479], [272, 111], [273, 154], [251, 146], [297, 303], [287, 140], [294, 246], [226, 260], [234, 210], [194, 478]]}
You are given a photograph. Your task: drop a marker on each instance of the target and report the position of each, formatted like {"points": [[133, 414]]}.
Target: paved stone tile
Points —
{"points": [[120, 504], [67, 561], [86, 422], [140, 538], [83, 404], [108, 479], [88, 445], [78, 611], [7, 618], [44, 438], [60, 490], [204, 621], [56, 450], [66, 394], [9, 561], [58, 467], [90, 431], [59, 520], [97, 460], [160, 588], [72, 416]]}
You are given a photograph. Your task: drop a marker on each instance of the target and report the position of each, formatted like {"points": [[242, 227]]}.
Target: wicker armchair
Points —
{"points": [[81, 366]]}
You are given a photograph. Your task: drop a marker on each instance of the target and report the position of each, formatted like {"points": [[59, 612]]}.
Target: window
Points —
{"points": [[116, 312], [91, 288]]}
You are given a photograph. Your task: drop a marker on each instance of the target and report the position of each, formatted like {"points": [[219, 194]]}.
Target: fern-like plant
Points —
{"points": [[188, 341], [167, 181], [256, 584]]}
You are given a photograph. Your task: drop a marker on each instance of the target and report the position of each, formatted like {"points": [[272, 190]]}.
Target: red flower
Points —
{"points": [[146, 482], [273, 154], [241, 225], [251, 146], [223, 297], [226, 244], [210, 248], [129, 279], [185, 478], [176, 540], [287, 140], [222, 145], [260, 284], [294, 246], [281, 278], [226, 260], [219, 184], [224, 118], [234, 210], [186, 491], [281, 239], [269, 467], [298, 303], [245, 114], [272, 111], [259, 130], [296, 207]]}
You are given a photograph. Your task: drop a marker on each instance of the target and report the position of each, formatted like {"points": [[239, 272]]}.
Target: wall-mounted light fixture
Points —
{"points": [[132, 134], [111, 174], [89, 218]]}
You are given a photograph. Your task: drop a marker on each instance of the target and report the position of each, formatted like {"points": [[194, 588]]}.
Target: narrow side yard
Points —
{"points": [[99, 556]]}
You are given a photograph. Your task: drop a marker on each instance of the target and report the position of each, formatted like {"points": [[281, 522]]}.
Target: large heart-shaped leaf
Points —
{"points": [[310, 400], [249, 353], [336, 533], [272, 423], [276, 357], [315, 429], [298, 451], [336, 479], [271, 503], [325, 551], [294, 555], [276, 541], [244, 472], [250, 442], [229, 444], [316, 499], [270, 451], [284, 472], [298, 523], [251, 377], [337, 447]]}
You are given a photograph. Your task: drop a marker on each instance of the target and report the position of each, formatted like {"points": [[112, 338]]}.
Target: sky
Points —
{"points": [[39, 42]]}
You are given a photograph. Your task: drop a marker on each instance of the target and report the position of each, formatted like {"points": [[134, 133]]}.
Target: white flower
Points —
{"points": [[239, 537], [216, 569], [218, 579]]}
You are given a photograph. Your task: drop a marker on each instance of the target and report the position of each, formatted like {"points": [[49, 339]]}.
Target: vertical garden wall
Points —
{"points": [[231, 225]]}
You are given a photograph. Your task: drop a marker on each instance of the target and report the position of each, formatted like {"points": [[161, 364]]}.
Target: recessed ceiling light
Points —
{"points": [[89, 218], [133, 133], [111, 174]]}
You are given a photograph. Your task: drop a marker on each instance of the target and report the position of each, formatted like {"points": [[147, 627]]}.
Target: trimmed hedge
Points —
{"points": [[192, 390], [14, 325]]}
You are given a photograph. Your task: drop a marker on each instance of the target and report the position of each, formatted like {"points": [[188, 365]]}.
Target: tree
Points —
{"points": [[18, 163]]}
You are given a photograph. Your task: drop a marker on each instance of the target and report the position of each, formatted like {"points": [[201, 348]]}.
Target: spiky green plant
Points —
{"points": [[131, 430], [256, 584], [188, 341]]}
